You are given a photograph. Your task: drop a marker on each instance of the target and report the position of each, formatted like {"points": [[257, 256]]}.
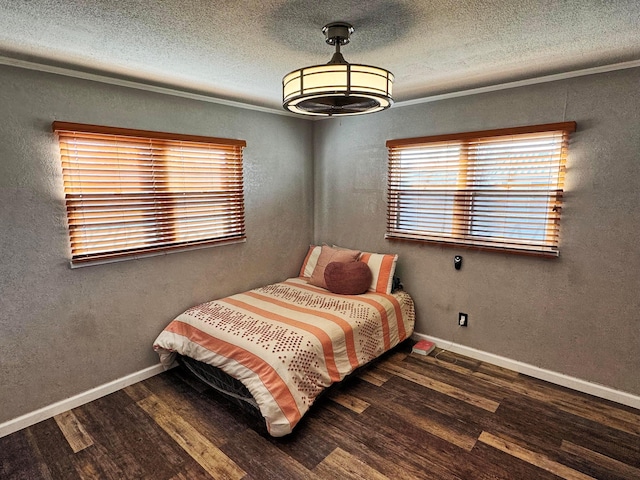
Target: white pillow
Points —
{"points": [[310, 261], [382, 267]]}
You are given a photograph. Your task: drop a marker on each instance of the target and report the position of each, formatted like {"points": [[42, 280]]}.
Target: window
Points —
{"points": [[134, 193], [495, 189]]}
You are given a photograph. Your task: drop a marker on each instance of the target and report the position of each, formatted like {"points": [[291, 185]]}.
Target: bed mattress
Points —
{"points": [[288, 341]]}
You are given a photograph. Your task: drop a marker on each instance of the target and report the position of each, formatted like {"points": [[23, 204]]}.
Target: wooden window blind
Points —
{"points": [[493, 189], [134, 192]]}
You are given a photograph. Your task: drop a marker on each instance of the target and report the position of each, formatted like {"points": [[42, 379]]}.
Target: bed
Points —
{"points": [[283, 344]]}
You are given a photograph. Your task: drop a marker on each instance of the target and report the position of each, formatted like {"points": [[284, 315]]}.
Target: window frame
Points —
{"points": [[163, 192], [467, 188]]}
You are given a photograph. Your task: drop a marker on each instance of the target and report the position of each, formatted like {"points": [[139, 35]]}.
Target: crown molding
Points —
{"points": [[139, 85], [522, 83], [111, 80]]}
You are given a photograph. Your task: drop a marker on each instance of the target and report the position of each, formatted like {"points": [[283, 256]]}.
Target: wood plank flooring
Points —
{"points": [[406, 417]]}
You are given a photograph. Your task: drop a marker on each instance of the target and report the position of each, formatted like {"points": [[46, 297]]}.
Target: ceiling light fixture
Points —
{"points": [[337, 88]]}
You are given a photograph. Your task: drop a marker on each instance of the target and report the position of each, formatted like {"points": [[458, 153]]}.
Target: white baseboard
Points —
{"points": [[561, 379], [85, 397], [595, 389]]}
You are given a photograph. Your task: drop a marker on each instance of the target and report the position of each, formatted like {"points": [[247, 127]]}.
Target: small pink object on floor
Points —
{"points": [[423, 347]]}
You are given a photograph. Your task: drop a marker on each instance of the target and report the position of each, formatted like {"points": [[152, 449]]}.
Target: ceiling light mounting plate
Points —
{"points": [[337, 33]]}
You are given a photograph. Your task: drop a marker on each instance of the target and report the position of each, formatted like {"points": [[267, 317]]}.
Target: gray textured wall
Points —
{"points": [[65, 331], [578, 314]]}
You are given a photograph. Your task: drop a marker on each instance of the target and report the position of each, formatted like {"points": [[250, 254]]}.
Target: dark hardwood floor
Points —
{"points": [[407, 417]]}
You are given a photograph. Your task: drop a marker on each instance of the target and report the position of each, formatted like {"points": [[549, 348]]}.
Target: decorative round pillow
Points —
{"points": [[352, 278]]}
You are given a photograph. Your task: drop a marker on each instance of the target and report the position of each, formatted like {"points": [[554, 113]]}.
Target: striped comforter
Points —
{"points": [[288, 341]]}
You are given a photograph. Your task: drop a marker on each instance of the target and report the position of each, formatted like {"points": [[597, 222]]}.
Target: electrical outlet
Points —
{"points": [[463, 319]]}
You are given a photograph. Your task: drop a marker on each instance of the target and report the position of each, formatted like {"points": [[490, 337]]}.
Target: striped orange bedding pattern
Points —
{"points": [[288, 341]]}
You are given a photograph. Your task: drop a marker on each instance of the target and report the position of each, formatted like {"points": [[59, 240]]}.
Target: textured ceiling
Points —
{"points": [[240, 50]]}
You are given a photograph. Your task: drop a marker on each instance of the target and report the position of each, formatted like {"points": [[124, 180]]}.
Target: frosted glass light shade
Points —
{"points": [[337, 89]]}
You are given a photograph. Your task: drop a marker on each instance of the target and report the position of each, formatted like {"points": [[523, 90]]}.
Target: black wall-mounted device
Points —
{"points": [[457, 262]]}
